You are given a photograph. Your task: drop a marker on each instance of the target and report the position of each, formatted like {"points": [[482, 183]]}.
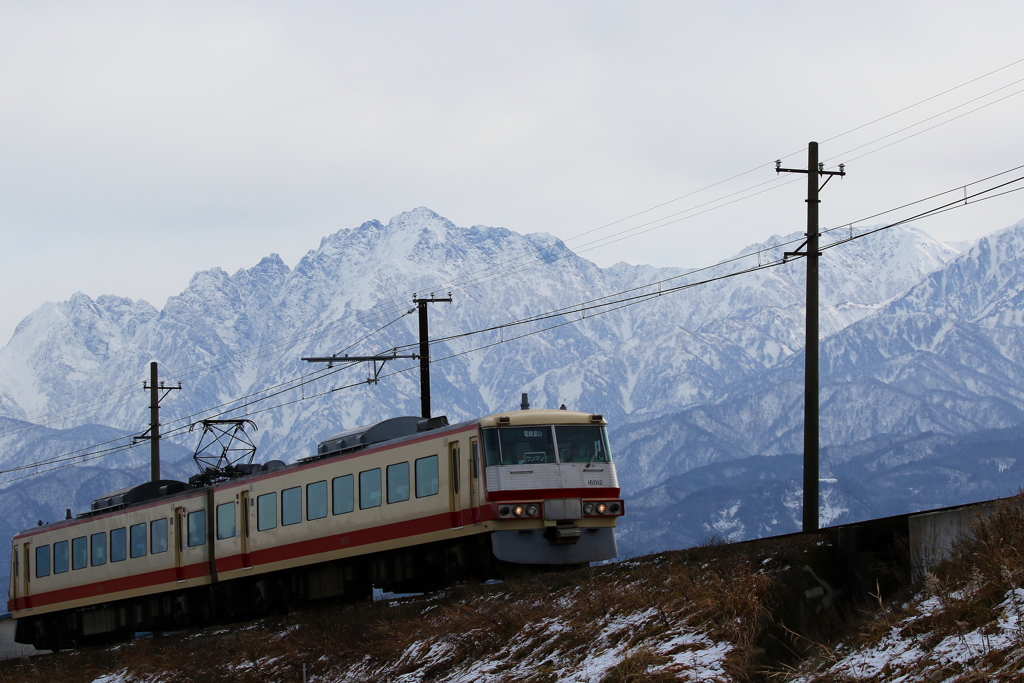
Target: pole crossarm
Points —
{"points": [[347, 358], [378, 362], [821, 170]]}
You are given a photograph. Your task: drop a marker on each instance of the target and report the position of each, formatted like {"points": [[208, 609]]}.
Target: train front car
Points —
{"points": [[552, 487]]}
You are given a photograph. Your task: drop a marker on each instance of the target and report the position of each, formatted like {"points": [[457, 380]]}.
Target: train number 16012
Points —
{"points": [[595, 482]]}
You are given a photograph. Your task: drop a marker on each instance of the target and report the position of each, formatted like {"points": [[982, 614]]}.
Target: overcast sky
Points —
{"points": [[141, 142]]}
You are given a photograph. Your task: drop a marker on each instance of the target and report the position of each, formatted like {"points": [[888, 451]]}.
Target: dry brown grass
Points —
{"points": [[985, 566]]}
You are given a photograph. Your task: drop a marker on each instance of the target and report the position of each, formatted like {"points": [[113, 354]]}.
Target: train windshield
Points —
{"points": [[526, 445], [535, 445], [582, 443]]}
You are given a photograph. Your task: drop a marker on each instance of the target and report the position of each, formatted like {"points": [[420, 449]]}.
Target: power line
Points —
{"points": [[927, 99], [937, 125]]}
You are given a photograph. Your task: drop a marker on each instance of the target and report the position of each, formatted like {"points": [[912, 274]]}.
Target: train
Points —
{"points": [[400, 505]]}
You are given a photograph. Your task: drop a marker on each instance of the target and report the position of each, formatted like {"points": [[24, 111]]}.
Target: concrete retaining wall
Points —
{"points": [[932, 534]]}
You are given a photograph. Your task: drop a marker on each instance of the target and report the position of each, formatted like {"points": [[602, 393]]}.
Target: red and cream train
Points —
{"points": [[400, 504]]}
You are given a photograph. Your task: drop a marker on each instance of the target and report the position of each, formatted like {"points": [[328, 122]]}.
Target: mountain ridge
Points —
{"points": [[619, 361]]}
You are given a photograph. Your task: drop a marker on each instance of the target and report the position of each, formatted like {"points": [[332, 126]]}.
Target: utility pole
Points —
{"points": [[814, 170], [425, 350], [155, 388]]}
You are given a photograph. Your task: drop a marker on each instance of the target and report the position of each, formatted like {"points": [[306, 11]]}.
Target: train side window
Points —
{"points": [[291, 506], [158, 536], [426, 476], [343, 495], [398, 482], [42, 561], [225, 521], [60, 557], [138, 534], [99, 548], [316, 500], [118, 544], [476, 462], [79, 552], [369, 489], [266, 511], [196, 528]]}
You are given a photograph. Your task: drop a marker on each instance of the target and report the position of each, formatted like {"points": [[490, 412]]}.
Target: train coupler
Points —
{"points": [[562, 533]]}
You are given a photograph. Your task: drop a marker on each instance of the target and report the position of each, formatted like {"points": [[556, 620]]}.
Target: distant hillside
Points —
{"points": [[761, 496]]}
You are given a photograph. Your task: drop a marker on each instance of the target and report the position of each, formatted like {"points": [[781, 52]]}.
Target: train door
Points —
{"points": [[474, 480], [455, 488], [25, 573], [179, 543], [13, 582], [243, 531], [211, 533], [19, 576]]}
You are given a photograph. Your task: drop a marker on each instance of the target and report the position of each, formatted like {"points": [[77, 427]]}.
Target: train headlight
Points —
{"points": [[518, 510], [615, 508], [588, 508], [532, 510], [505, 511], [602, 508]]}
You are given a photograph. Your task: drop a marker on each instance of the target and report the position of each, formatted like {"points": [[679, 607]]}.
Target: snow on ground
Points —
{"points": [[683, 651], [914, 648], [112, 678]]}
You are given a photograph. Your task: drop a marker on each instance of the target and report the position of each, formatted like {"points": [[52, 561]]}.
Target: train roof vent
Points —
{"points": [[432, 423], [137, 494], [361, 437]]}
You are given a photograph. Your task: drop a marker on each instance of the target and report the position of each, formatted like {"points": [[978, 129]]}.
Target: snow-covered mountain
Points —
{"points": [[946, 356], [226, 336]]}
